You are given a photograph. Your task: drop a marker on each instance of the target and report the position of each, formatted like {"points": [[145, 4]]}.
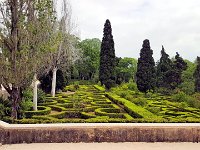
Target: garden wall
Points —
{"points": [[98, 132]]}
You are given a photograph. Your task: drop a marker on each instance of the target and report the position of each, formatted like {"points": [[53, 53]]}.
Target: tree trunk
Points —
{"points": [[35, 93], [53, 89], [16, 97]]}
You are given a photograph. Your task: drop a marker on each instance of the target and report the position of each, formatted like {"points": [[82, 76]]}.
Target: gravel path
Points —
{"points": [[103, 146]]}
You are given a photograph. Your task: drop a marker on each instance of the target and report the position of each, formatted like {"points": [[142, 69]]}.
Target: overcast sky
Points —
{"points": [[172, 23]]}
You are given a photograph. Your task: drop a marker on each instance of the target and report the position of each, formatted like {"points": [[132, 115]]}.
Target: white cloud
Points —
{"points": [[172, 23]]}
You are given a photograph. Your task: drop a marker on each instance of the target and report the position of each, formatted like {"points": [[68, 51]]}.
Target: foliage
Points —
{"points": [[197, 76], [163, 70], [107, 58], [26, 38], [42, 110], [125, 69], [5, 107], [181, 97], [134, 110], [46, 81], [175, 76], [86, 67], [146, 74]]}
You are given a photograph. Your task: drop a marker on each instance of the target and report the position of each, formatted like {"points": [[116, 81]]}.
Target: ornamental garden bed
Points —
{"points": [[91, 104]]}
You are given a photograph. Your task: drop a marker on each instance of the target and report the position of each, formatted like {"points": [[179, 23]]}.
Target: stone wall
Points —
{"points": [[60, 133]]}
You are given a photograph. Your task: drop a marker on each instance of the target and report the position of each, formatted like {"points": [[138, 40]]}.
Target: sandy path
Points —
{"points": [[104, 146]]}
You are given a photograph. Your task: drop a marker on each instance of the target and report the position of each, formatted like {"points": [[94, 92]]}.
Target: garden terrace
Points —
{"points": [[92, 104]]}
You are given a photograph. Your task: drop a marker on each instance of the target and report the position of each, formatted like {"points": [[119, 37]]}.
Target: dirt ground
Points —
{"points": [[104, 146]]}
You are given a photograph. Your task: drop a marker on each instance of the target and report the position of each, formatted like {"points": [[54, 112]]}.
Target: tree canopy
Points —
{"points": [[146, 73], [107, 58]]}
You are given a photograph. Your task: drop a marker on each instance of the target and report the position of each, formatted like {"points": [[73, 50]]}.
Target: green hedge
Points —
{"points": [[58, 115], [57, 108], [49, 102], [86, 115], [112, 113], [42, 110], [100, 88], [90, 108], [131, 108], [66, 105]]}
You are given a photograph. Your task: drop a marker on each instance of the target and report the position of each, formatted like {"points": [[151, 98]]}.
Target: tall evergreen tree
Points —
{"points": [[197, 76], [146, 73], [107, 58], [175, 75], [163, 70]]}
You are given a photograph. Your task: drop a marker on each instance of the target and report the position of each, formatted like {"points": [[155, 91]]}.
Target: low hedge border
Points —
{"points": [[49, 102], [66, 105], [100, 88], [112, 113], [90, 108], [131, 108], [86, 115], [42, 110], [57, 108], [58, 115]]}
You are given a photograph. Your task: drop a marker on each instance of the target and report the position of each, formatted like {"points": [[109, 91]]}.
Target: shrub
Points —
{"points": [[154, 110], [86, 115], [132, 86], [181, 97], [41, 96], [2, 111], [42, 110], [100, 88], [5, 109], [140, 101], [131, 108]]}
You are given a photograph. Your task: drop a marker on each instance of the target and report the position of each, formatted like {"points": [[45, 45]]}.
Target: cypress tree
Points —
{"points": [[175, 75], [197, 76], [107, 58], [146, 73], [164, 68]]}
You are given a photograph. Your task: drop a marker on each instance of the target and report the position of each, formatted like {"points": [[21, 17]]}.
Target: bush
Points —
{"points": [[131, 108], [100, 88], [164, 91], [181, 97], [41, 96], [140, 101], [132, 86], [2, 111], [5, 108], [86, 115], [42, 110]]}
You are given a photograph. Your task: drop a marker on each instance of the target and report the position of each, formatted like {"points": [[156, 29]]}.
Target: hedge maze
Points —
{"points": [[171, 111], [90, 103]]}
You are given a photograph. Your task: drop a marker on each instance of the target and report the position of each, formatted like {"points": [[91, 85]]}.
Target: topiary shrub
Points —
{"points": [[42, 110]]}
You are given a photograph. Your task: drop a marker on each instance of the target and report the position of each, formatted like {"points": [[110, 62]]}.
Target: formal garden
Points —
{"points": [[93, 104], [49, 75]]}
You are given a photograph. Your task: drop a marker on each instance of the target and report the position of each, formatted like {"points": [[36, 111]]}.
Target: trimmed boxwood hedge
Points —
{"points": [[42, 110], [131, 108], [110, 112], [49, 102], [100, 88], [86, 115]]}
